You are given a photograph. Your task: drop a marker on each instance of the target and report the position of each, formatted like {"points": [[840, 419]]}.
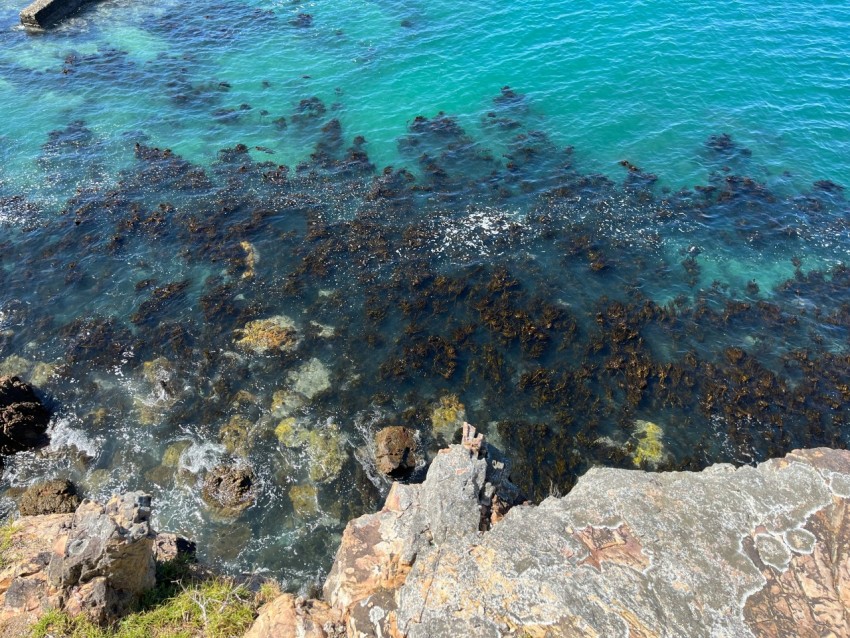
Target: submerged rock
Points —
{"points": [[268, 335], [304, 501], [310, 379], [322, 443], [23, 419], [38, 372], [172, 454], [649, 452], [285, 402], [448, 417], [235, 435], [58, 496], [229, 490], [395, 451]]}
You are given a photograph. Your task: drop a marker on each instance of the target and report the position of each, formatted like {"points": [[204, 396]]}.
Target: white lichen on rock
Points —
{"points": [[310, 379]]}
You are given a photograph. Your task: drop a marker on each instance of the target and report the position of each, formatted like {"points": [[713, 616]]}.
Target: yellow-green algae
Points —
{"points": [[323, 444]]}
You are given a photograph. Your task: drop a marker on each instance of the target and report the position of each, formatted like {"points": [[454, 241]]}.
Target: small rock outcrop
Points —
{"points": [[171, 547], [97, 561], [229, 490], [23, 418], [395, 451], [45, 13], [58, 496], [106, 561]]}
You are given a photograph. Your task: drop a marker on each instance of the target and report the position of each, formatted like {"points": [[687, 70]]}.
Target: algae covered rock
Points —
{"points": [[304, 499], [395, 451], [172, 454], [161, 391], [263, 336], [235, 435], [447, 417], [58, 496], [229, 490], [649, 451], [23, 418], [285, 402], [323, 445], [38, 372]]}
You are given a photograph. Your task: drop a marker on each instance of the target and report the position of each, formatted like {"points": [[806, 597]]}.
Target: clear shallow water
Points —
{"points": [[561, 296]]}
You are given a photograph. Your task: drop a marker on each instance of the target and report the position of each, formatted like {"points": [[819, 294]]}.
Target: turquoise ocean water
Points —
{"points": [[508, 260]]}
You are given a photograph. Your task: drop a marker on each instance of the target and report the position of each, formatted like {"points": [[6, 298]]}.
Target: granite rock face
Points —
{"points": [[288, 616], [748, 552], [725, 552]]}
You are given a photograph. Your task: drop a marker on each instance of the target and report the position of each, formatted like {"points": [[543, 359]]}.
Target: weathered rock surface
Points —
{"points": [[724, 552], [749, 552], [229, 490], [288, 616], [23, 419], [395, 451], [106, 561], [379, 550], [96, 561], [58, 496]]}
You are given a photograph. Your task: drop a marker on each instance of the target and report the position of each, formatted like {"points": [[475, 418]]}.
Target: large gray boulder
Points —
{"points": [[728, 552], [747, 552]]}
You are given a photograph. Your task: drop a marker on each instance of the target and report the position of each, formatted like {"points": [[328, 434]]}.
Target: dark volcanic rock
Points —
{"points": [[229, 490], [23, 419], [395, 451], [49, 497]]}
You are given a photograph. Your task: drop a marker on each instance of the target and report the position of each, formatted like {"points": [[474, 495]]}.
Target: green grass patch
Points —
{"points": [[6, 532], [214, 608]]}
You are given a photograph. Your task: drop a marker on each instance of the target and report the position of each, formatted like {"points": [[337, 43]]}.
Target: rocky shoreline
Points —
{"points": [[749, 551]]}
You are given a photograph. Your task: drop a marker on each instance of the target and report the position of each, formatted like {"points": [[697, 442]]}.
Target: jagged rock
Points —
{"points": [[724, 552], [379, 550], [229, 490], [49, 497], [23, 419], [96, 561], [106, 560], [290, 616], [395, 451]]}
